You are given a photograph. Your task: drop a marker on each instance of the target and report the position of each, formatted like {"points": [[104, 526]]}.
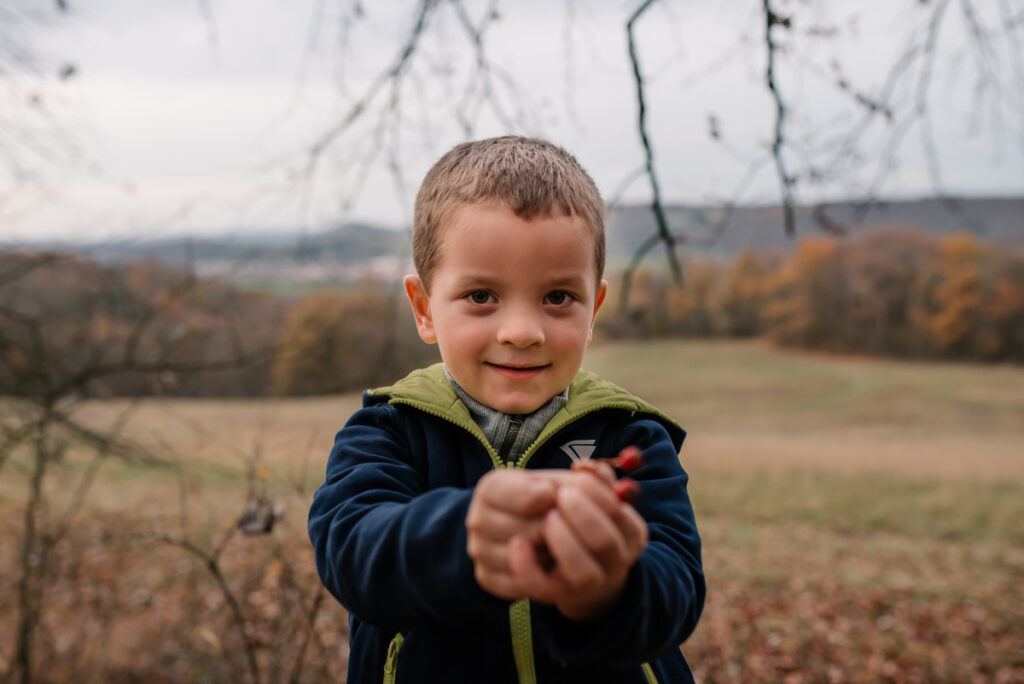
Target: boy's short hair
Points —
{"points": [[533, 177]]}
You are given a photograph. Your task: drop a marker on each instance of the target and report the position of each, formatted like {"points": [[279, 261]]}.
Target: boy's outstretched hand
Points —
{"points": [[506, 504], [555, 536], [594, 539]]}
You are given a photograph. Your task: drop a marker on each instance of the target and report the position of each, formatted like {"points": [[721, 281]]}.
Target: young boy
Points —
{"points": [[450, 524]]}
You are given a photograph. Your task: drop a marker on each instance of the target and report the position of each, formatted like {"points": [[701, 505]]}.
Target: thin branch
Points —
{"points": [[14, 437], [926, 53], [393, 72], [89, 476], [924, 112], [105, 443], [633, 176], [634, 263], [785, 180], [663, 234], [211, 564], [484, 68], [311, 616]]}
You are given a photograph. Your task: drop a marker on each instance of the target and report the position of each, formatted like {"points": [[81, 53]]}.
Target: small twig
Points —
{"points": [[210, 561], [300, 657], [785, 180], [318, 148], [664, 235], [634, 263]]}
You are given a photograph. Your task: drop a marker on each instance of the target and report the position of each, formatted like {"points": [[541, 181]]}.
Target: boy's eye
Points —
{"points": [[558, 297], [479, 296]]}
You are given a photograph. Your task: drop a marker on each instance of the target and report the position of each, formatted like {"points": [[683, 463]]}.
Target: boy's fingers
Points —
{"points": [[517, 492], [598, 469], [487, 553], [580, 569], [593, 527], [494, 523], [545, 586], [594, 469], [596, 488], [633, 528]]}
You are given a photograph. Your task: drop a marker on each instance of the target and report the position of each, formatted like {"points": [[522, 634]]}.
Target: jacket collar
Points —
{"points": [[428, 389]]}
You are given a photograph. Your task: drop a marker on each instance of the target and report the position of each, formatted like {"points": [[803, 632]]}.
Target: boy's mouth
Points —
{"points": [[516, 372]]}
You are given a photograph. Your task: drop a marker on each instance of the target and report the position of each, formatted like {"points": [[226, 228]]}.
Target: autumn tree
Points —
{"points": [[340, 342], [1002, 335], [884, 271], [742, 295], [951, 306], [804, 306], [72, 329], [691, 306]]}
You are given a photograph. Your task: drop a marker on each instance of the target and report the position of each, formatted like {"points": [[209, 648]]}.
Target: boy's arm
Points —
{"points": [[664, 591], [391, 553]]}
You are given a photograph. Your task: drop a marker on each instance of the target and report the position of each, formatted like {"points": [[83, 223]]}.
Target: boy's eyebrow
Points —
{"points": [[474, 280], [570, 281], [485, 280]]}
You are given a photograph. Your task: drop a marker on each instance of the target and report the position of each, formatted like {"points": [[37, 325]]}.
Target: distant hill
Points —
{"points": [[351, 242], [359, 250], [999, 220]]}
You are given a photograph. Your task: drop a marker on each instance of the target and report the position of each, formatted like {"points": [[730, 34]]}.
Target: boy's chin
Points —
{"points": [[519, 403], [519, 407]]}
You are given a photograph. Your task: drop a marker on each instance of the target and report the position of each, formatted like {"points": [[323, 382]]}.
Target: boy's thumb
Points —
{"points": [[540, 496]]}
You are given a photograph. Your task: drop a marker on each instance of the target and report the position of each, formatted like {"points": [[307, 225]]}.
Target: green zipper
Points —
{"points": [[522, 640], [649, 673], [519, 611], [391, 662]]}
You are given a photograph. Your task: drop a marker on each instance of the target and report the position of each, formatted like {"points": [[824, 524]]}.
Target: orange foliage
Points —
{"points": [[896, 292], [958, 295], [691, 308], [802, 294]]}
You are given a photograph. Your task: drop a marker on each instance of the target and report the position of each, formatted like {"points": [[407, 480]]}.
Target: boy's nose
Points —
{"points": [[520, 328]]}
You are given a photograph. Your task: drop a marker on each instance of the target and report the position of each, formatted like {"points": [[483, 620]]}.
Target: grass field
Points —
{"points": [[862, 518]]}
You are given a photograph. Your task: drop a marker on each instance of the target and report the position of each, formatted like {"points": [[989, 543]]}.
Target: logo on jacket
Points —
{"points": [[579, 449]]}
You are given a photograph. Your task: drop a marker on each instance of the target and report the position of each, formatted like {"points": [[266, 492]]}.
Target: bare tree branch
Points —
{"points": [[393, 72], [771, 19], [210, 562], [484, 68], [663, 234]]}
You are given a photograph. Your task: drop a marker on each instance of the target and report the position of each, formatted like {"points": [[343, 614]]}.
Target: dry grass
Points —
{"points": [[749, 406], [861, 517]]}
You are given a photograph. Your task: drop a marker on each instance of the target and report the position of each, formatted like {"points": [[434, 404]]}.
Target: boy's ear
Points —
{"points": [[602, 292], [420, 301]]}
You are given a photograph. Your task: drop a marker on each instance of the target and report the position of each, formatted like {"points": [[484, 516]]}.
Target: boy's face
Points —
{"points": [[511, 304]]}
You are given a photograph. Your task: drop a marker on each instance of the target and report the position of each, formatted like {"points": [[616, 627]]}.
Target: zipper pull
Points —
{"points": [[515, 424], [389, 662]]}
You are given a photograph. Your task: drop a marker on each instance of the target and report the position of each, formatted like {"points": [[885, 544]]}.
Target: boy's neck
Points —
{"points": [[509, 434]]}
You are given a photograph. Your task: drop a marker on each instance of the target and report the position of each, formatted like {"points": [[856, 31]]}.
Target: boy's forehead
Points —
{"points": [[458, 215], [476, 234]]}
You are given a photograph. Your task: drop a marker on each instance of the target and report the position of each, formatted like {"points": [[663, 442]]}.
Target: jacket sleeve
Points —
{"points": [[665, 589], [392, 554]]}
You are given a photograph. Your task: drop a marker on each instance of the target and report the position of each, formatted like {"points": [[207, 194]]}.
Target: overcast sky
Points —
{"points": [[199, 117]]}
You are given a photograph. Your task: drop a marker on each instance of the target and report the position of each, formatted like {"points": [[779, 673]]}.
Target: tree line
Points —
{"points": [[69, 326], [894, 292]]}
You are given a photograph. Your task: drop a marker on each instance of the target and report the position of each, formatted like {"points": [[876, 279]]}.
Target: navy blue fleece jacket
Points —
{"points": [[388, 528]]}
